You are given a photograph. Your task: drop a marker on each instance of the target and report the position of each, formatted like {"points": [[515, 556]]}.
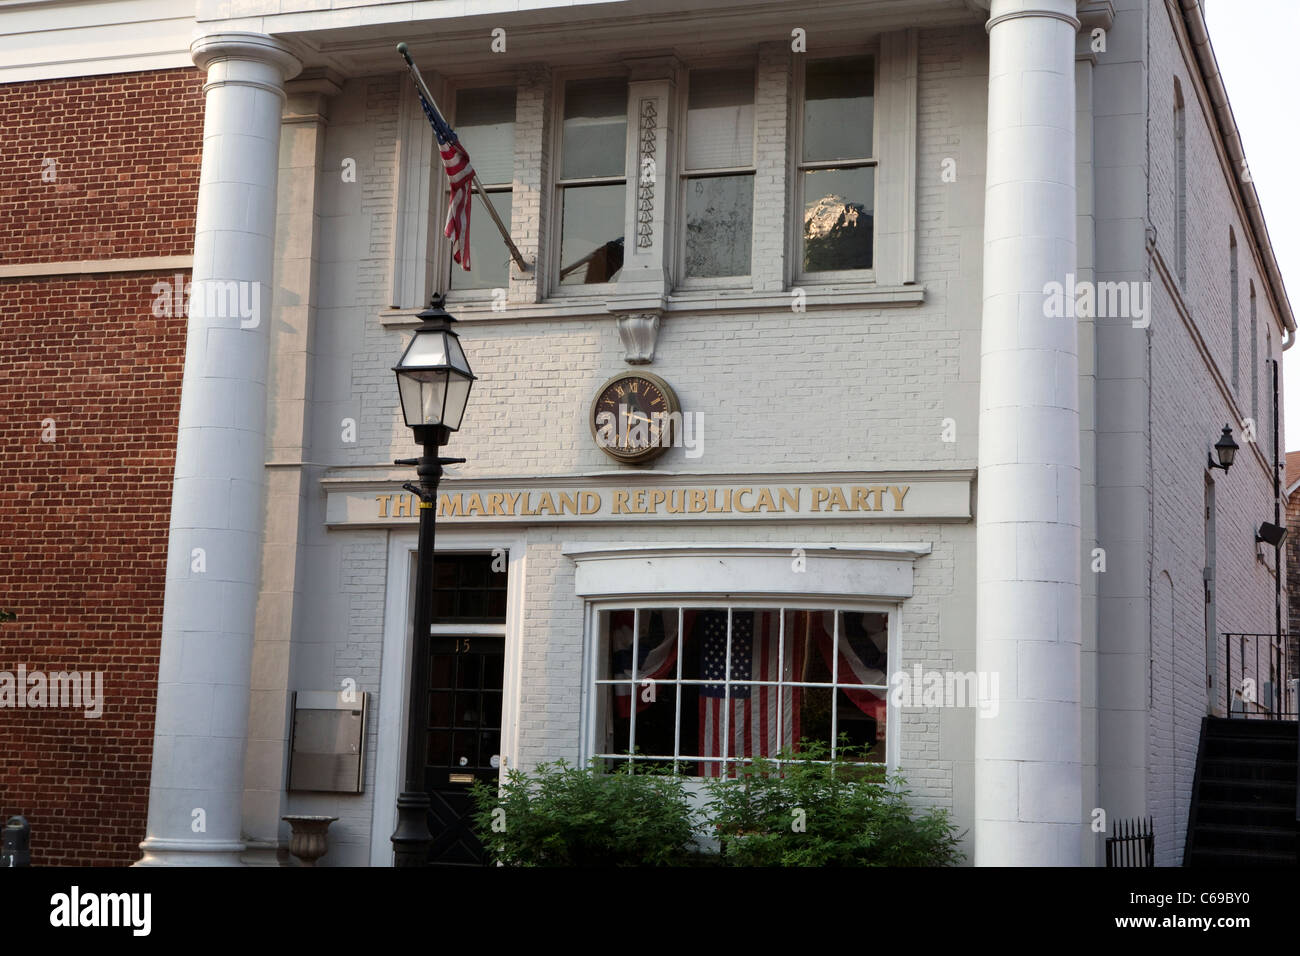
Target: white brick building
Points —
{"points": [[970, 158]]}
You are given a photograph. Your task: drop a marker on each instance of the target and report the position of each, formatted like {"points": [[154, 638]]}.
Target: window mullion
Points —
{"points": [[726, 700], [677, 715], [780, 686], [835, 679], [632, 708]]}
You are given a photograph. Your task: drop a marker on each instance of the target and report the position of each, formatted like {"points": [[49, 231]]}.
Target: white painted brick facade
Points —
{"points": [[832, 389]]}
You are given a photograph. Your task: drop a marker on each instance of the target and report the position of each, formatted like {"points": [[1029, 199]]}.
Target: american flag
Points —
{"points": [[747, 720], [460, 174], [656, 658], [861, 662]]}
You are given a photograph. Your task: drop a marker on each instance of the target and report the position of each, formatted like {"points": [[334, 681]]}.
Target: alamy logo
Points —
{"points": [[75, 909], [37, 689], [945, 689], [209, 299], [1100, 300], [628, 429]]}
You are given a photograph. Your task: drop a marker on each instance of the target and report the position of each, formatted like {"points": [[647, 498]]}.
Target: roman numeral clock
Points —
{"points": [[632, 417]]}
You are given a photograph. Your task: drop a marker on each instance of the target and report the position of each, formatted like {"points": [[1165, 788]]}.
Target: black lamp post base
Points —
{"points": [[411, 839]]}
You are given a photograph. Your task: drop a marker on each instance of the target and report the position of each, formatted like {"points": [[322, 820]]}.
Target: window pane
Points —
{"points": [[863, 660], [813, 724], [720, 119], [488, 254], [719, 214], [591, 239], [864, 649], [595, 128], [838, 217], [485, 123], [838, 105]]}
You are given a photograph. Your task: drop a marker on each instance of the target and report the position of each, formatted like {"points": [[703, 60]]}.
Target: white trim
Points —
{"points": [[851, 572], [395, 655], [693, 301], [56, 40], [68, 267]]}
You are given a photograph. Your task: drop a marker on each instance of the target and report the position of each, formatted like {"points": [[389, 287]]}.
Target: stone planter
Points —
{"points": [[308, 841]]}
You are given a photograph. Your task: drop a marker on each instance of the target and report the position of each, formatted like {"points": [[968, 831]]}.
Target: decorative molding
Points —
{"points": [[55, 39], [638, 331], [647, 173], [701, 302], [21, 270], [859, 571]]}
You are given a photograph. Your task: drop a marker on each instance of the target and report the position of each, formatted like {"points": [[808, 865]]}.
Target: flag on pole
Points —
{"points": [[460, 174]]}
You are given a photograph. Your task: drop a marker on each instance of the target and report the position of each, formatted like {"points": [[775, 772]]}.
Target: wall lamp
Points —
{"points": [[1270, 534], [1225, 448]]}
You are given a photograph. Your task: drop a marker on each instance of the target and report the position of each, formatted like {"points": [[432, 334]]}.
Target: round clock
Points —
{"points": [[630, 417]]}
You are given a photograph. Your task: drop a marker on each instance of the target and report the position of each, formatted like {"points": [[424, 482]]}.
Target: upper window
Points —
{"points": [[836, 179], [593, 181], [485, 123], [1234, 313], [701, 689], [1180, 185], [718, 174], [1254, 355]]}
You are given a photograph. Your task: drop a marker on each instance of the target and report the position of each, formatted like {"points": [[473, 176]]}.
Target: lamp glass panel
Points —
{"points": [[427, 350], [457, 398], [456, 355], [422, 397]]}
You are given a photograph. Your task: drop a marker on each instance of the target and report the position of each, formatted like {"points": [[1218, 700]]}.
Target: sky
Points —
{"points": [[1253, 41]]}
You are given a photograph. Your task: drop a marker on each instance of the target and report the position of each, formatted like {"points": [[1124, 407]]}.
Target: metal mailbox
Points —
{"points": [[327, 748]]}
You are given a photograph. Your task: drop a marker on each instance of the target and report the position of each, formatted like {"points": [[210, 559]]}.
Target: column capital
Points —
{"points": [[1000, 11], [258, 48]]}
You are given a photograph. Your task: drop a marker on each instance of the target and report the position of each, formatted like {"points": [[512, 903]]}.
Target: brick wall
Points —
{"points": [[1189, 407], [84, 516], [124, 154]]}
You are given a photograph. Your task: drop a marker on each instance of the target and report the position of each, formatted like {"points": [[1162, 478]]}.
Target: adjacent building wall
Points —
{"points": [[1192, 397], [98, 181]]}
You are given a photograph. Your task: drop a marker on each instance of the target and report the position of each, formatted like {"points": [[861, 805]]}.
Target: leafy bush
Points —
{"points": [[811, 811], [566, 816]]}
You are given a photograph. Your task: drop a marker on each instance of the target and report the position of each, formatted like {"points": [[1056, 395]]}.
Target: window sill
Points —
{"points": [[816, 298]]}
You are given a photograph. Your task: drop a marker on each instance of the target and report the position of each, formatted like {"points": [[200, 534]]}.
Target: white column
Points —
{"points": [[215, 537], [1028, 798]]}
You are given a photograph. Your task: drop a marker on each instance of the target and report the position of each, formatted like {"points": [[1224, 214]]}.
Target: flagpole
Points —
{"points": [[505, 233]]}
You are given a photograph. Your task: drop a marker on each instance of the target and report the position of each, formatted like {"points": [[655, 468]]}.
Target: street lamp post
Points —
{"points": [[433, 381]]}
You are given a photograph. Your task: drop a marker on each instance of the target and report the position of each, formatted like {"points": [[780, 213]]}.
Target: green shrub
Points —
{"points": [[810, 811], [566, 816]]}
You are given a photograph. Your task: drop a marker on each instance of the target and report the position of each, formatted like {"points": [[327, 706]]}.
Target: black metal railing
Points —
{"points": [[1260, 676], [1131, 843]]}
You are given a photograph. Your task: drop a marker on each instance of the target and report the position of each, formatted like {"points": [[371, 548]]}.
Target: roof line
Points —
{"points": [[1194, 18]]}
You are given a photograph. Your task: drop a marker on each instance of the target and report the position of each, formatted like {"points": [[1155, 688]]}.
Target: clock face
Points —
{"points": [[629, 417]]}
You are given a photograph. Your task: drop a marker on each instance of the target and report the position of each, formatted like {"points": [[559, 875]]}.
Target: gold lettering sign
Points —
{"points": [[560, 504]]}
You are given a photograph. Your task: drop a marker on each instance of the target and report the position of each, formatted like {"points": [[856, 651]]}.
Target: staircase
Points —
{"points": [[1243, 810]]}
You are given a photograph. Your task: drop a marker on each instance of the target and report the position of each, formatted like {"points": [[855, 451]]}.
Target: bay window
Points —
{"points": [[701, 689]]}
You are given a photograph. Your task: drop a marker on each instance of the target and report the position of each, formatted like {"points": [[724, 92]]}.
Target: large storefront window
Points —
{"points": [[702, 689]]}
